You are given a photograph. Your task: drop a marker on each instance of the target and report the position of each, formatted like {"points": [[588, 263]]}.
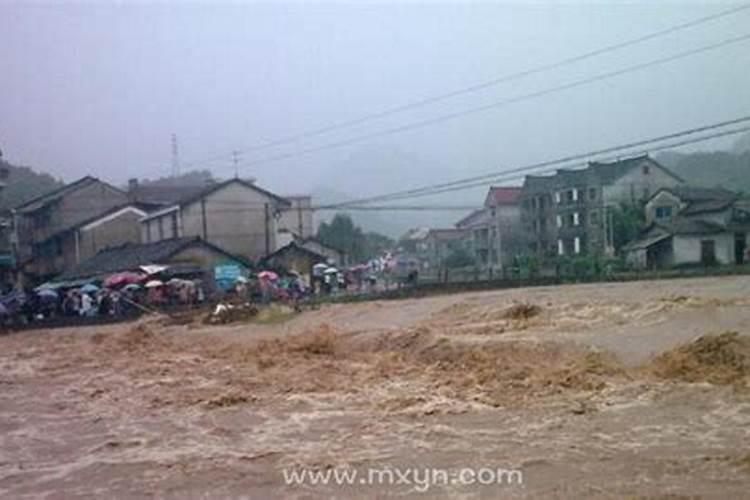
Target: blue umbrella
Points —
{"points": [[47, 294], [89, 288]]}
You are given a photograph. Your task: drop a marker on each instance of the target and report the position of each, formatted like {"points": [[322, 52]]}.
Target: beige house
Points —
{"points": [[495, 234], [235, 215], [48, 230], [692, 226], [297, 220]]}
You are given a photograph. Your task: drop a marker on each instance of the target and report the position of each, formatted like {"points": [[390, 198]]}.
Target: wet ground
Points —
{"points": [[561, 383]]}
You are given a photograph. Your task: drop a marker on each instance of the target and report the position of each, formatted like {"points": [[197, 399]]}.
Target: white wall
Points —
{"points": [[687, 248], [635, 182]]}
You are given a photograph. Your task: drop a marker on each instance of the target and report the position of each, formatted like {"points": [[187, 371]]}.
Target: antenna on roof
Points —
{"points": [[175, 157], [236, 162]]}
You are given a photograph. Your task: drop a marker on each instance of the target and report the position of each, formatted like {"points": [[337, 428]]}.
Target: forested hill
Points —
{"points": [[22, 184], [728, 169]]}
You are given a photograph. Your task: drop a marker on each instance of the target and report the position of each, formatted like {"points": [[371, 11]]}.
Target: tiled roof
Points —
{"points": [[692, 193], [503, 195], [184, 195], [56, 194], [684, 225], [472, 218], [699, 207], [595, 173], [447, 234], [132, 255]]}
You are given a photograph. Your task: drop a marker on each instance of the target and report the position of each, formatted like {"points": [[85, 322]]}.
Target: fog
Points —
{"points": [[101, 88]]}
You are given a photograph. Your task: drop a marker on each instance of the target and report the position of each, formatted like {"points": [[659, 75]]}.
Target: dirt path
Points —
{"points": [[478, 380]]}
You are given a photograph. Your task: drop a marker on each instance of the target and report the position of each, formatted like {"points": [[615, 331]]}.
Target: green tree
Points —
{"points": [[627, 222], [459, 257], [343, 234]]}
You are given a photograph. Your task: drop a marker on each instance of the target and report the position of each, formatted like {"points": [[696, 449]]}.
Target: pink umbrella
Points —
{"points": [[124, 278], [268, 275]]}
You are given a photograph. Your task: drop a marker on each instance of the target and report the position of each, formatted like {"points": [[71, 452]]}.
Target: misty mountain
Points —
{"points": [[725, 169], [377, 170]]}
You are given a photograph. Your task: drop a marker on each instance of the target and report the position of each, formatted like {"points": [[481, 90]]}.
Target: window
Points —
{"points": [[558, 198], [645, 170], [560, 248], [161, 228], [576, 219], [174, 225], [592, 193], [577, 245], [593, 218], [663, 212], [574, 194], [559, 220]]}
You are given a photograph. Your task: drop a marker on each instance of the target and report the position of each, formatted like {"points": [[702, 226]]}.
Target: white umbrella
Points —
{"points": [[331, 270], [154, 284]]}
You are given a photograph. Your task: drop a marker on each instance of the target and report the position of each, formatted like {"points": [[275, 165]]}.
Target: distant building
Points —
{"points": [[494, 231], [569, 213], [438, 244], [47, 229], [413, 241], [298, 218], [691, 225], [295, 257], [236, 215]]}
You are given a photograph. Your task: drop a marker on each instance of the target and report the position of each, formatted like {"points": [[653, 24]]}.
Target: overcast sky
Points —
{"points": [[99, 88]]}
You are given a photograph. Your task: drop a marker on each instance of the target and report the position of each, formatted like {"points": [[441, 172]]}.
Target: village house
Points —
{"points": [[412, 243], [438, 244], [178, 256], [58, 229], [570, 212], [494, 231], [236, 215], [297, 219], [294, 256], [692, 226]]}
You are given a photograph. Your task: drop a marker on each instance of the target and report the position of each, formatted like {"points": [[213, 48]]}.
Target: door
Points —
{"points": [[708, 252], [739, 248]]}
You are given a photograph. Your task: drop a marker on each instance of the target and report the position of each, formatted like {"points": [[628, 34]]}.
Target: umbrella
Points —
{"points": [[331, 270], [154, 284], [124, 278], [132, 287], [293, 272], [47, 294], [268, 275], [320, 266], [89, 288], [241, 279]]}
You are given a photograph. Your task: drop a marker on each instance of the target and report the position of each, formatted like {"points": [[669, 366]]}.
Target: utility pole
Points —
{"points": [[236, 163], [175, 157]]}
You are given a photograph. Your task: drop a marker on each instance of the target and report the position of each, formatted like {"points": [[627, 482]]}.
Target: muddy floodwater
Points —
{"points": [[603, 390]]}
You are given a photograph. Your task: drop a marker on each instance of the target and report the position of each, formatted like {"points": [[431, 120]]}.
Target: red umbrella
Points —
{"points": [[125, 278]]}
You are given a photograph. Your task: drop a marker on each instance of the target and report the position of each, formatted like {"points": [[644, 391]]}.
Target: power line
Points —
{"points": [[498, 104], [504, 175], [482, 85]]}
